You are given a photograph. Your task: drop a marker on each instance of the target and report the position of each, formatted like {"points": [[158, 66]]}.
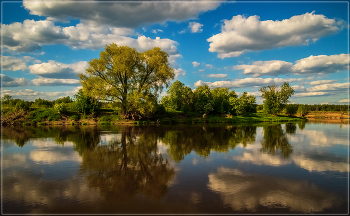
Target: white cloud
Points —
{"points": [[320, 166], [319, 82], [155, 31], [55, 82], [217, 75], [322, 64], [195, 27], [31, 35], [195, 64], [201, 70], [130, 15], [29, 94], [14, 82], [313, 64], [209, 66], [329, 87], [247, 82], [324, 103], [298, 88], [10, 63], [344, 101], [53, 69], [241, 34], [310, 94], [179, 72], [261, 68]]}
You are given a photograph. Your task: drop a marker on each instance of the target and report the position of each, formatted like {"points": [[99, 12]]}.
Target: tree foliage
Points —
{"points": [[275, 97], [242, 105], [85, 104], [203, 99], [131, 78]]}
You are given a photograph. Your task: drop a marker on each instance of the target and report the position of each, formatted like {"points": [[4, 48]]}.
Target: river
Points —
{"points": [[177, 169]]}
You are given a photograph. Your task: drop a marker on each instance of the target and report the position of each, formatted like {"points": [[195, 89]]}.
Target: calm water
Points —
{"points": [[288, 168]]}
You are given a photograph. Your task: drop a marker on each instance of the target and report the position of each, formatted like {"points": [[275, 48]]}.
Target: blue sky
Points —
{"points": [[240, 45]]}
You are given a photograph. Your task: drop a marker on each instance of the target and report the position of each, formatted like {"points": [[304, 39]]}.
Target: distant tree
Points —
{"points": [[275, 97], [301, 110], [203, 99], [22, 105], [63, 100], [85, 104], [179, 97], [244, 104], [124, 75], [221, 97], [42, 102], [6, 98], [291, 109]]}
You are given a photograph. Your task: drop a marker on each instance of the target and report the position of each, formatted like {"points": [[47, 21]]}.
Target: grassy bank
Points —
{"points": [[108, 117]]}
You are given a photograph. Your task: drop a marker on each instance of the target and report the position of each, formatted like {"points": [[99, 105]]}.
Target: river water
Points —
{"points": [[192, 169]]}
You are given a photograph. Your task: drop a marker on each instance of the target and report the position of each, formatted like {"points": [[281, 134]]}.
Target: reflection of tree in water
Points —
{"points": [[275, 139], [203, 139], [128, 166], [291, 128], [301, 125], [21, 135]]}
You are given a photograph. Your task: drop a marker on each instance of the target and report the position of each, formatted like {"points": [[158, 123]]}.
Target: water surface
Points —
{"points": [[263, 168]]}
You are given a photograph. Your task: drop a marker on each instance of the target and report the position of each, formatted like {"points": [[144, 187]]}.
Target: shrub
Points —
{"points": [[42, 115], [105, 118], [21, 105], [61, 108], [291, 110], [74, 117]]}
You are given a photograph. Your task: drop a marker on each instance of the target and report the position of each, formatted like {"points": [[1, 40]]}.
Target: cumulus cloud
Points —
{"points": [[298, 88], [201, 70], [55, 82], [155, 31], [245, 34], [179, 72], [329, 87], [209, 66], [14, 82], [310, 94], [311, 65], [322, 64], [261, 68], [29, 94], [319, 82], [344, 101], [10, 63], [31, 35], [217, 75], [130, 15], [195, 27], [53, 69], [195, 64], [247, 82]]}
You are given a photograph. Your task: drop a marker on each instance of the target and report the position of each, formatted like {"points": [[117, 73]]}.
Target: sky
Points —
{"points": [[236, 44]]}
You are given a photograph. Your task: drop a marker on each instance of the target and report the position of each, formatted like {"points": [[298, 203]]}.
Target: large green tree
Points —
{"points": [[276, 97], [178, 96], [131, 78]]}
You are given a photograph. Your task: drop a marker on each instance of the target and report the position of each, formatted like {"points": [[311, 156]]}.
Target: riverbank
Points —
{"points": [[106, 118]]}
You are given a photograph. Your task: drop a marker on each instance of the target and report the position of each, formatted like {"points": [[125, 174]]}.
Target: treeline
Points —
{"points": [[205, 100]]}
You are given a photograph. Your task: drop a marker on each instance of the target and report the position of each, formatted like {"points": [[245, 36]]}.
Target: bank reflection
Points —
{"points": [[275, 140], [204, 139], [127, 166]]}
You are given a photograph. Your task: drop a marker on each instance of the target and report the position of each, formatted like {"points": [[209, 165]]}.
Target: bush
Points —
{"points": [[61, 108], [74, 117], [105, 118], [21, 105], [42, 115], [291, 110], [302, 110]]}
